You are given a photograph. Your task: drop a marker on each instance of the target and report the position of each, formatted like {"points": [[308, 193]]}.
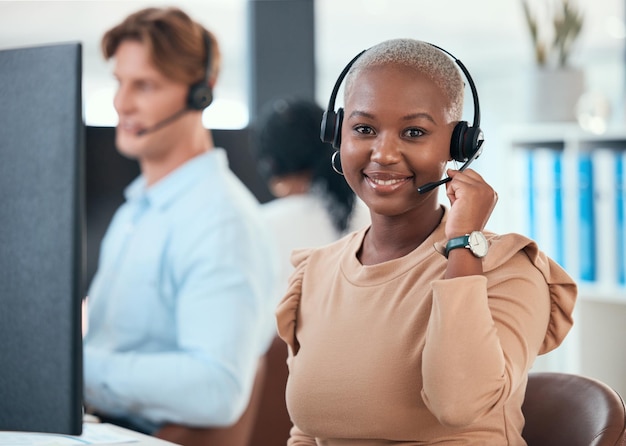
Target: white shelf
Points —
{"points": [[602, 294], [559, 132], [570, 138], [597, 341]]}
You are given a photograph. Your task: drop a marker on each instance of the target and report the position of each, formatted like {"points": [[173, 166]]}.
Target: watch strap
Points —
{"points": [[457, 242]]}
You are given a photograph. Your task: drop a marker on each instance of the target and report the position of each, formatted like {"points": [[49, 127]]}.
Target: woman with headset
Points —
{"points": [[421, 328]]}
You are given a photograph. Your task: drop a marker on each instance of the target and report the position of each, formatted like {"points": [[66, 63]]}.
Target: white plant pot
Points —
{"points": [[553, 94]]}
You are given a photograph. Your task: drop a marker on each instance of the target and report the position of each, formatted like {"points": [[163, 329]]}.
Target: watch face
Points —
{"points": [[478, 244]]}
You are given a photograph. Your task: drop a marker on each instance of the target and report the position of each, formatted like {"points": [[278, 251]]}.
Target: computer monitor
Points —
{"points": [[41, 239]]}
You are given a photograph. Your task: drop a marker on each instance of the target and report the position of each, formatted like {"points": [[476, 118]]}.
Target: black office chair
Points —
{"points": [[572, 410]]}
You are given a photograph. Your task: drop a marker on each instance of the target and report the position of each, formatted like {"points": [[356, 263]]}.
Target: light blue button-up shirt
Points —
{"points": [[182, 304]]}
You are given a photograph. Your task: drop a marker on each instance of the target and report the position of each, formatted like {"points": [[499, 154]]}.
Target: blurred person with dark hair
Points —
{"points": [[314, 206]]}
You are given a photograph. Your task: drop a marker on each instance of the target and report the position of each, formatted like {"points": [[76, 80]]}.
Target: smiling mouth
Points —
{"points": [[387, 183]]}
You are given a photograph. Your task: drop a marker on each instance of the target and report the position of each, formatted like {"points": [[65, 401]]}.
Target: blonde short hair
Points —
{"points": [[421, 57]]}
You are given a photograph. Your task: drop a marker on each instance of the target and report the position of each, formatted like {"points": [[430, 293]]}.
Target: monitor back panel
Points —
{"points": [[41, 238]]}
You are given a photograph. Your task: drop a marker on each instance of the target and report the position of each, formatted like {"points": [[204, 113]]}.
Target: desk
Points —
{"points": [[103, 434], [142, 439]]}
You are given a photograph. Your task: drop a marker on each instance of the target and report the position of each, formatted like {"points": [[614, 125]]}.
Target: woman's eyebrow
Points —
{"points": [[361, 114], [409, 117], [419, 115]]}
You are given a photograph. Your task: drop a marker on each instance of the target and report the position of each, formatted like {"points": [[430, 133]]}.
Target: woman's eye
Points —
{"points": [[414, 133], [364, 130]]}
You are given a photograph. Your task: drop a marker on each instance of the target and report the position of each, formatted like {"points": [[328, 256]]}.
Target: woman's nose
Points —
{"points": [[386, 149]]}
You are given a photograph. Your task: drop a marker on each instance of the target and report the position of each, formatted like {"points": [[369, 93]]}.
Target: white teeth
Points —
{"points": [[386, 182]]}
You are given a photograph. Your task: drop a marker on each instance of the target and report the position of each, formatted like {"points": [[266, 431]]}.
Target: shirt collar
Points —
{"points": [[176, 182]]}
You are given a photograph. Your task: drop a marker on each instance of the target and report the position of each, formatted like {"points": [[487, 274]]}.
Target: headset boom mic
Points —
{"points": [[162, 123]]}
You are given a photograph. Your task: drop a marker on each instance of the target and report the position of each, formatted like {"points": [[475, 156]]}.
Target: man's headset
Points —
{"points": [[200, 94], [466, 143]]}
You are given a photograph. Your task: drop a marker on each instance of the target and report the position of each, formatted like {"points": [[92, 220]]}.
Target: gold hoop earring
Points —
{"points": [[333, 160]]}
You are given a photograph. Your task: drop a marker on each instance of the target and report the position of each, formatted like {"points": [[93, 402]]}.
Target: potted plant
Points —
{"points": [[556, 84], [555, 46]]}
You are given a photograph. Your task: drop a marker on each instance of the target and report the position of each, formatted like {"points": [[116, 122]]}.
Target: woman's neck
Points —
{"points": [[392, 238]]}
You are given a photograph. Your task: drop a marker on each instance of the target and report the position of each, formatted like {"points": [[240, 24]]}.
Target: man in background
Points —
{"points": [[181, 307]]}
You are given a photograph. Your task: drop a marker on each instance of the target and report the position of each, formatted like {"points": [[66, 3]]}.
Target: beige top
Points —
{"points": [[391, 354]]}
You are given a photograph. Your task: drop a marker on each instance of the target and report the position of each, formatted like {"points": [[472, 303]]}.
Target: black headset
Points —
{"points": [[200, 94], [466, 142]]}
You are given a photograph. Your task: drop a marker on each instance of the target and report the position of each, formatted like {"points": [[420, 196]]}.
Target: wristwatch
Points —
{"points": [[474, 241]]}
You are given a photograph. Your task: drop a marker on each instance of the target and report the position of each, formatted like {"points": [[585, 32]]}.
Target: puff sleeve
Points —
{"points": [[287, 310]]}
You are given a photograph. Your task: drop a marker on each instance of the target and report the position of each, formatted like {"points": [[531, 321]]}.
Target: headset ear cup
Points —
{"points": [[473, 141], [200, 96], [457, 143], [327, 129], [338, 123]]}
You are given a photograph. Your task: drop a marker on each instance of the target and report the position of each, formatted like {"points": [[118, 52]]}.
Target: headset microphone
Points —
{"points": [[430, 186], [162, 123]]}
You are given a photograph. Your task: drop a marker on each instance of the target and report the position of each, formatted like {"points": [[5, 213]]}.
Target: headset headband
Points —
{"points": [[344, 73]]}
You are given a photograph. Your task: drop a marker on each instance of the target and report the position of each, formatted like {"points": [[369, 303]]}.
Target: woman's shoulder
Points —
{"points": [[562, 288], [513, 250], [503, 247]]}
